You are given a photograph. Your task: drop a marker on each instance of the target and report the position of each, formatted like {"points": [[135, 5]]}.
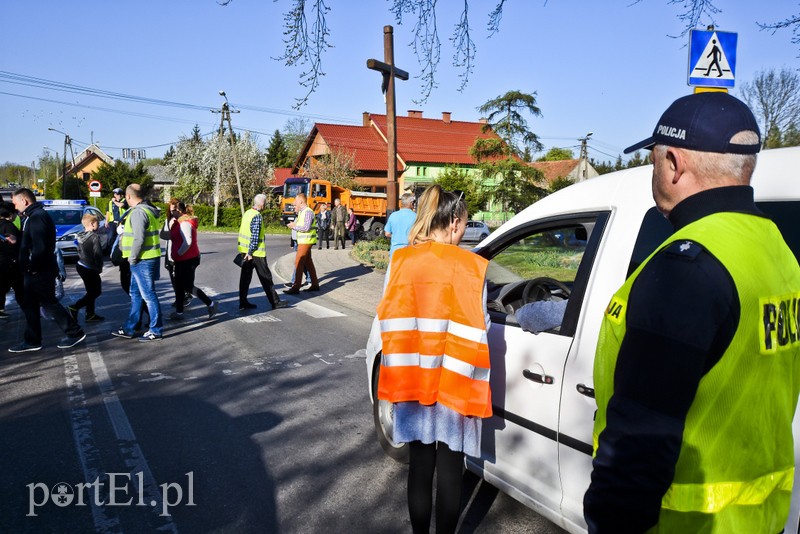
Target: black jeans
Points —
{"points": [[94, 288], [40, 291], [324, 234], [10, 278], [259, 264], [184, 282]]}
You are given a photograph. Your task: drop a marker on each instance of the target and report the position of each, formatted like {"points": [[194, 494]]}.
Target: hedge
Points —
{"points": [[230, 217]]}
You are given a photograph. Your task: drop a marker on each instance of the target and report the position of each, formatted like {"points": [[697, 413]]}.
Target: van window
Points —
{"points": [[549, 261]]}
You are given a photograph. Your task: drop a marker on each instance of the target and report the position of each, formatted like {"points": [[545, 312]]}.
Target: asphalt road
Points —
{"points": [[257, 422]]}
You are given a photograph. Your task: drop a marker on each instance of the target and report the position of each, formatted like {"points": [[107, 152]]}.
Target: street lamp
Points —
{"points": [[67, 141]]}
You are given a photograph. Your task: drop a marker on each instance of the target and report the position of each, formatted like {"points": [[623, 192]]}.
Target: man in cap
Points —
{"points": [[697, 373], [116, 207]]}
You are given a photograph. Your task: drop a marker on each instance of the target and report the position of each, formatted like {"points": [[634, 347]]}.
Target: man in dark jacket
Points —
{"points": [[37, 261], [10, 275]]}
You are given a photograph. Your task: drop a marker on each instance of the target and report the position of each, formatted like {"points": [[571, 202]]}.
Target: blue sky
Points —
{"points": [[609, 67]]}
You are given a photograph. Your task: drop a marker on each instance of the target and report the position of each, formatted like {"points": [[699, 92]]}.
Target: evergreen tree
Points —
{"points": [[475, 195], [278, 153], [774, 139], [791, 136]]}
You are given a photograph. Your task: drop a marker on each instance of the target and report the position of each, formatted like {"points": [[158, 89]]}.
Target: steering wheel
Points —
{"points": [[538, 289]]}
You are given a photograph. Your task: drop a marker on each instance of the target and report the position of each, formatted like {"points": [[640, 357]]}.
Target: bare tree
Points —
{"points": [[790, 22], [774, 97], [337, 166], [305, 43]]}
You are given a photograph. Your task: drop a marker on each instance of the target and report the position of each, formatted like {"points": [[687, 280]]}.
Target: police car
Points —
{"points": [[578, 244], [67, 216]]}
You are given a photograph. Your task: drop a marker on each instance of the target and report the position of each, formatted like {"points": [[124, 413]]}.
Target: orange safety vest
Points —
{"points": [[434, 331]]}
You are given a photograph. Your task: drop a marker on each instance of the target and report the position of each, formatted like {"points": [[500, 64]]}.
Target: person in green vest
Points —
{"points": [[141, 246], [254, 247], [697, 371]]}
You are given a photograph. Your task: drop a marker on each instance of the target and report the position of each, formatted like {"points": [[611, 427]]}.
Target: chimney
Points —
{"points": [[483, 120], [365, 119], [446, 117], [414, 114]]}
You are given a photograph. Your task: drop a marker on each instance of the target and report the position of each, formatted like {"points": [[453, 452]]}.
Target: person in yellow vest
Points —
{"points": [[697, 372], [306, 227], [254, 248], [141, 245], [435, 362]]}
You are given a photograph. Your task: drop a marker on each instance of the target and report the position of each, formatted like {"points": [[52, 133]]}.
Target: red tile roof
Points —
{"points": [[421, 140], [555, 169], [281, 174], [367, 147]]}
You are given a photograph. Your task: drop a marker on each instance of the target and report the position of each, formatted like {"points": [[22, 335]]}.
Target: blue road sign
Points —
{"points": [[712, 58]]}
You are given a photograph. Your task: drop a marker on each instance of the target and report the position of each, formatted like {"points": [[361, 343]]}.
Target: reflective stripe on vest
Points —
{"points": [[244, 235], [308, 237], [735, 468], [712, 498], [442, 356], [151, 244]]}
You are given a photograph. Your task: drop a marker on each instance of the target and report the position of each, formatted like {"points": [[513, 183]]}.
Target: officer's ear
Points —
{"points": [[677, 163]]}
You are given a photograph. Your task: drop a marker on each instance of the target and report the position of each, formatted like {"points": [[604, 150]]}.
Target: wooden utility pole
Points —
{"points": [[389, 72], [225, 115]]}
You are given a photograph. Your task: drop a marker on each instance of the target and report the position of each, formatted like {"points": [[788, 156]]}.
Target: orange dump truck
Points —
{"points": [[370, 208]]}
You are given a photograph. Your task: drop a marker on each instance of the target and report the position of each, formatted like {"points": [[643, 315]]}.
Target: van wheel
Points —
{"points": [[383, 417]]}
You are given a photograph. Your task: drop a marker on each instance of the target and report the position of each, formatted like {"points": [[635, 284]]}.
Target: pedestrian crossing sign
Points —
{"points": [[712, 58]]}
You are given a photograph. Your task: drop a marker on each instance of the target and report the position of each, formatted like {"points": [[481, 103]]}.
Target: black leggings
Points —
{"points": [[448, 464], [184, 282]]}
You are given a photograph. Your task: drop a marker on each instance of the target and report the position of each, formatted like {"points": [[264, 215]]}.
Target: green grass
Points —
{"points": [[531, 262]]}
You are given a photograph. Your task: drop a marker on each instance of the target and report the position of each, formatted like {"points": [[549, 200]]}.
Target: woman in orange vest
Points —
{"points": [[435, 360]]}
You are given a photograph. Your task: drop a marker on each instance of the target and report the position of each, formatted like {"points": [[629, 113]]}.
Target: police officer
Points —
{"points": [[697, 372]]}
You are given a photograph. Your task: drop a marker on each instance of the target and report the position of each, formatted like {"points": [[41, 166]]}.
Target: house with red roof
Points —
{"points": [[575, 170], [425, 148]]}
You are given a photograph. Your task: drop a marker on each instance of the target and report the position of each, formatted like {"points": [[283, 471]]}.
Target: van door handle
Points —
{"points": [[585, 390], [536, 377]]}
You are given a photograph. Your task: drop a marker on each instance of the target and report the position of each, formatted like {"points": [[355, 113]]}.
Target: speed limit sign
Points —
{"points": [[95, 186]]}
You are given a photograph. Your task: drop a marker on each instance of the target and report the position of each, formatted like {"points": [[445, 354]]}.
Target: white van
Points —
{"points": [[578, 244]]}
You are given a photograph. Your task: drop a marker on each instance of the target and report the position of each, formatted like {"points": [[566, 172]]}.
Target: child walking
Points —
{"points": [[89, 267]]}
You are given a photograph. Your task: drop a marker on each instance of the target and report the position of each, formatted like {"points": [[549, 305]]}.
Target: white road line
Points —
{"points": [[129, 448], [314, 310], [84, 441]]}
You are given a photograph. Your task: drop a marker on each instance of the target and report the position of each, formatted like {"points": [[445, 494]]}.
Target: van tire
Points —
{"points": [[383, 417]]}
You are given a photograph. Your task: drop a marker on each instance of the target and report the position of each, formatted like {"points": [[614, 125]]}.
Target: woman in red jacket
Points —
{"points": [[186, 255]]}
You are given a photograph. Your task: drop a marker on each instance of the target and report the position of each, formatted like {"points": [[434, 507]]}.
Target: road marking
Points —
{"points": [[129, 448], [320, 358], [313, 310], [259, 318], [84, 440]]}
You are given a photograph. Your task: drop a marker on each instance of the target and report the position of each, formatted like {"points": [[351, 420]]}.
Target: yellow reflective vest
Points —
{"points": [[244, 235], [151, 246], [736, 465], [309, 237], [434, 331]]}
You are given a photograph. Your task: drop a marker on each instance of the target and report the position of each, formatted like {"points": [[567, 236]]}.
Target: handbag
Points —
{"points": [[239, 259]]}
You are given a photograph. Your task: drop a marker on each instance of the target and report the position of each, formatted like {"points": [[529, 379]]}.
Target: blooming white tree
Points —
{"points": [[197, 162]]}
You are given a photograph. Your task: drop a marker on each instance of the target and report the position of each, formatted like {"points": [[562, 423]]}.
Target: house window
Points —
{"points": [[87, 176]]}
